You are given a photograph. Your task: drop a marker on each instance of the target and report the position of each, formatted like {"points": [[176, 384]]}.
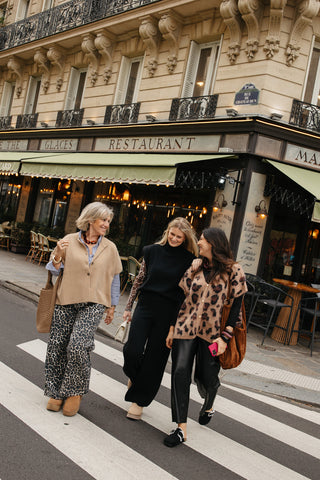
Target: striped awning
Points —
{"points": [[143, 168]]}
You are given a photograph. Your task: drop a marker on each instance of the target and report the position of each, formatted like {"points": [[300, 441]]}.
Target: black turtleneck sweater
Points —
{"points": [[165, 268]]}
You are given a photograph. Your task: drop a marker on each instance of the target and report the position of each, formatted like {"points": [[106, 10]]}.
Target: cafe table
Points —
{"points": [[295, 290]]}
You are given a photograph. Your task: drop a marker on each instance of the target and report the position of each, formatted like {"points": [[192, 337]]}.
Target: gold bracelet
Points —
{"points": [[54, 260]]}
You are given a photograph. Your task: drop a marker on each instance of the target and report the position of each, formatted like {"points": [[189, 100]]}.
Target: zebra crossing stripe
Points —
{"points": [[116, 356], [90, 447], [226, 451]]}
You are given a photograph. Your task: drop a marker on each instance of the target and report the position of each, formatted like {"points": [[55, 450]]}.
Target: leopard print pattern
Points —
{"points": [[68, 365], [200, 313]]}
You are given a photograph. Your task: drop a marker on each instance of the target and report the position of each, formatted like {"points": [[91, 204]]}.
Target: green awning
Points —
{"points": [[10, 161], [122, 167], [307, 179]]}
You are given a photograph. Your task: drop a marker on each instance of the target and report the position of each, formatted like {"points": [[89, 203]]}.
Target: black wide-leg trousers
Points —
{"points": [[206, 376], [145, 353]]}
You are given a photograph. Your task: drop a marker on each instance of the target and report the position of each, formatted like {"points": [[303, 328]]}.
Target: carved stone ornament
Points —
{"points": [[104, 44], [15, 65], [91, 56], [251, 12], [272, 43], [170, 27], [231, 16], [307, 10], [151, 37], [41, 60], [57, 57]]}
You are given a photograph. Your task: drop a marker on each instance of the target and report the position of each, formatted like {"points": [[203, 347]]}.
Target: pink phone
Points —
{"points": [[213, 349]]}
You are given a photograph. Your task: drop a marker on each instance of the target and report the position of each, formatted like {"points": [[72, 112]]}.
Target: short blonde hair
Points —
{"points": [[190, 241], [92, 212]]}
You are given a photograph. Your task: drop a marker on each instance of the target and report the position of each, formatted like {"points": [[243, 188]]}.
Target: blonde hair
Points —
{"points": [[92, 212], [190, 241]]}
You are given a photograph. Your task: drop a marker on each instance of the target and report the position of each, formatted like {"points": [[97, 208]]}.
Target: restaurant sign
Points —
{"points": [[302, 156], [195, 144], [13, 145], [59, 144]]}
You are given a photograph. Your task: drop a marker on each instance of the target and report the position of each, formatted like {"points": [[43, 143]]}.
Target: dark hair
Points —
{"points": [[222, 256]]}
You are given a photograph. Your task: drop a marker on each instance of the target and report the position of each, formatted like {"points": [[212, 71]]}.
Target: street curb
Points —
{"points": [[21, 291]]}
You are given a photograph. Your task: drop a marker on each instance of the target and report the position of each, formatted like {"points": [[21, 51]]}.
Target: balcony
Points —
{"points": [[27, 120], [5, 122], [70, 118], [64, 17], [305, 115], [127, 113], [193, 108]]}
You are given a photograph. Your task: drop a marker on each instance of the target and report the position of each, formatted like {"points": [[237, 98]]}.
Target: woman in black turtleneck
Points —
{"points": [[160, 297]]}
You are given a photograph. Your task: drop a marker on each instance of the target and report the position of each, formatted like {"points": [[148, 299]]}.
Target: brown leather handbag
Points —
{"points": [[236, 349], [47, 300]]}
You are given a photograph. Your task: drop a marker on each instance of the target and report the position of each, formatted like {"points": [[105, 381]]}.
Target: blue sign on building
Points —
{"points": [[248, 95]]}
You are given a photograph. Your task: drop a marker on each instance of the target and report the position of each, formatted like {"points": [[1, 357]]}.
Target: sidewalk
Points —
{"points": [[287, 371]]}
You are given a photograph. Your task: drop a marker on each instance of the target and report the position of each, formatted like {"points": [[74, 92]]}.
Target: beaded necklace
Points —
{"points": [[88, 242]]}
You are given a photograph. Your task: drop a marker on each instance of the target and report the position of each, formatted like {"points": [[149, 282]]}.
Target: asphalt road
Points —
{"points": [[251, 436]]}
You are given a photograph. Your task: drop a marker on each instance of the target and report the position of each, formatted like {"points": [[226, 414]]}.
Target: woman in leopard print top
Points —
{"points": [[206, 285]]}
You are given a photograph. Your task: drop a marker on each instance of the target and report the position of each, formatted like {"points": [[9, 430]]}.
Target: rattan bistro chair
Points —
{"points": [[133, 267], [44, 248], [309, 311], [34, 247], [269, 300], [4, 239]]}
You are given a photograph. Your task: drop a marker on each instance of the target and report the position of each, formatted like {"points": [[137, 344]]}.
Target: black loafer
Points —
{"points": [[205, 418], [174, 438]]}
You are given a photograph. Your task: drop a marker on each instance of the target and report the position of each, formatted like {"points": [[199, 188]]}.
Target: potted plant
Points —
{"points": [[20, 237]]}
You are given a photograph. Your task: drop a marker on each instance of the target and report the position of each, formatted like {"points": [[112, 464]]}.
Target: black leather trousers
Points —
{"points": [[206, 376]]}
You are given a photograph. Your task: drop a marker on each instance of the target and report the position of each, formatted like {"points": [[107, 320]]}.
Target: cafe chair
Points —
{"points": [[249, 298], [133, 267], [44, 248], [4, 239], [268, 302], [34, 246], [309, 312]]}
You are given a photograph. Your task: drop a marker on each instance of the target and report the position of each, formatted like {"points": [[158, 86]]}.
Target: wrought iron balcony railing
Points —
{"points": [[127, 113], [191, 108], [64, 17], [27, 120], [305, 115], [70, 118], [5, 122]]}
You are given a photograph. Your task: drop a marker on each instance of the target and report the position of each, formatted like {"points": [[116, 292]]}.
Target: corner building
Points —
{"points": [[199, 108]]}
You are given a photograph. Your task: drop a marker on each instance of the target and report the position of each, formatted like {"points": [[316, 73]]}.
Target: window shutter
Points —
{"points": [[122, 81], [46, 5], [6, 99], [72, 89], [191, 70]]}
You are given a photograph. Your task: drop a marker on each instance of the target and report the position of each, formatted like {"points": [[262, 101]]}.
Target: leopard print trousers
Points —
{"points": [[68, 364]]}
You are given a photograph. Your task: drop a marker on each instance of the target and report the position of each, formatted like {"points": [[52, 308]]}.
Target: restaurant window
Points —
{"points": [[42, 210], [10, 188], [32, 95], [312, 92], [201, 68], [310, 269], [129, 81], [22, 11], [76, 89], [7, 99]]}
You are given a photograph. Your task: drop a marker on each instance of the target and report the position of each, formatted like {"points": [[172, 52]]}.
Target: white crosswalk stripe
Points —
{"points": [[227, 451]]}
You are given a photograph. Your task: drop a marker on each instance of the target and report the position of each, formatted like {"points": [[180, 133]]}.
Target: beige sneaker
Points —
{"points": [[71, 406], [134, 412]]}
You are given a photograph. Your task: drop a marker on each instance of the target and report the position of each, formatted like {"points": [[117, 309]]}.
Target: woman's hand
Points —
{"points": [[59, 251], [169, 338], [127, 316], [109, 316], [221, 345]]}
